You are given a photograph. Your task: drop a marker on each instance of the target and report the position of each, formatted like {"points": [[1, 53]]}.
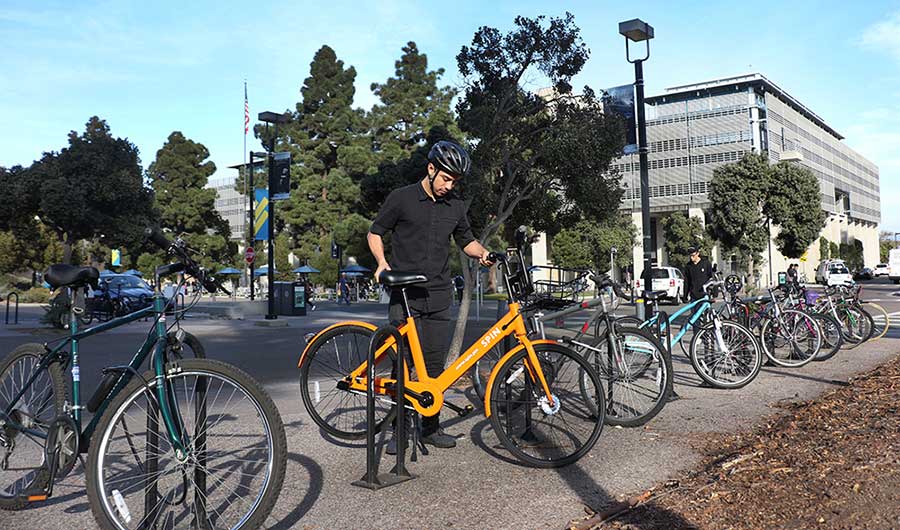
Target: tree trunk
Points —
{"points": [[459, 331], [67, 246]]}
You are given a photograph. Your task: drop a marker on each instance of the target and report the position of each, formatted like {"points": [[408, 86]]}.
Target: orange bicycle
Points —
{"points": [[545, 402]]}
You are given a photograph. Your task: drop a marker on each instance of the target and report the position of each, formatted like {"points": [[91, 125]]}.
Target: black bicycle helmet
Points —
{"points": [[450, 158]]}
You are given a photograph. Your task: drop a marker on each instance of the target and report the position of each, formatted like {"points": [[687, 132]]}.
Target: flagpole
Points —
{"points": [[248, 215]]}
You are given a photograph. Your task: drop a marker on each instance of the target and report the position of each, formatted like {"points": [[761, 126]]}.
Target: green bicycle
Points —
{"points": [[191, 442]]}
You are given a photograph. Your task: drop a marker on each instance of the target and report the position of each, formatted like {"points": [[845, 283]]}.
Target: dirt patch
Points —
{"points": [[829, 463]]}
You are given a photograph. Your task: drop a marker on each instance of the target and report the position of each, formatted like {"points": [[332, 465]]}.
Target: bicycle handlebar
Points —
{"points": [[176, 248], [603, 281]]}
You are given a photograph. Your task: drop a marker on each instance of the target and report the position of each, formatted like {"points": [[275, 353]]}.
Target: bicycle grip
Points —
{"points": [[157, 238], [495, 257]]}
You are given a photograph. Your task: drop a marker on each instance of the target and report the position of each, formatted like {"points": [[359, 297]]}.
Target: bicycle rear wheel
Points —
{"points": [[329, 360], [856, 324], [534, 430], [41, 403], [832, 339], [236, 455], [637, 372], [727, 357], [791, 339]]}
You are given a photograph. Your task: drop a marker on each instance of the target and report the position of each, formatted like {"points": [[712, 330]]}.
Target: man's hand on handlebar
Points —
{"points": [[488, 258]]}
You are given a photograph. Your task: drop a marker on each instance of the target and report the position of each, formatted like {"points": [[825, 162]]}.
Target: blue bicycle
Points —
{"points": [[724, 354]]}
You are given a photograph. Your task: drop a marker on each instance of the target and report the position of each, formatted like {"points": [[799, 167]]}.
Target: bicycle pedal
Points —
{"points": [[468, 409]]}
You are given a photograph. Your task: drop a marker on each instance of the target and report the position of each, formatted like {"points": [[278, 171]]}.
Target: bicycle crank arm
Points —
{"points": [[461, 411]]}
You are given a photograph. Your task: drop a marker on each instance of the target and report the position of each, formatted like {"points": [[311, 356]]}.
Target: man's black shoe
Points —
{"points": [[439, 439]]}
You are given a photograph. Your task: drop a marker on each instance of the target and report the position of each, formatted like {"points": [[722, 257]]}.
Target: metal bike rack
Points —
{"points": [[663, 319], [10, 295], [372, 479]]}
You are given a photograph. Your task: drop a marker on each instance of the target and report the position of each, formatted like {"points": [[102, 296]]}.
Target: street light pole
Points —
{"points": [[637, 30], [273, 118]]}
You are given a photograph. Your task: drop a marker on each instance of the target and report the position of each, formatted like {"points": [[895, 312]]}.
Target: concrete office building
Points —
{"points": [[231, 205], [692, 129]]}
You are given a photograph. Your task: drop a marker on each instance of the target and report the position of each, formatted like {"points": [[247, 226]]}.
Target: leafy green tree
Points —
{"points": [[329, 150], [545, 153], [89, 189], [734, 216], [749, 196], [793, 203], [549, 149], [834, 250], [178, 177], [885, 244], [588, 244], [413, 113], [823, 249], [681, 232]]}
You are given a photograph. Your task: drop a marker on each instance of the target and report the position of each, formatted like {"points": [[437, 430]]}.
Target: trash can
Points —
{"points": [[290, 298]]}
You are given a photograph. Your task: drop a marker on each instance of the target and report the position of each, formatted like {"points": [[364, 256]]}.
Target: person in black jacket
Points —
{"points": [[697, 272]]}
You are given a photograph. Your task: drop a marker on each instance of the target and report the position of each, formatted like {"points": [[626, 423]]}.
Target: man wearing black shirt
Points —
{"points": [[422, 217], [697, 272]]}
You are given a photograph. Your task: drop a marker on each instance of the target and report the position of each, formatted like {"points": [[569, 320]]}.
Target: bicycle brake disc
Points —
{"points": [[62, 439]]}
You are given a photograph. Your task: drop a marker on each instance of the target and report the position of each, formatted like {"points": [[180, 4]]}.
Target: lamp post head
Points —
{"points": [[636, 30], [273, 117]]}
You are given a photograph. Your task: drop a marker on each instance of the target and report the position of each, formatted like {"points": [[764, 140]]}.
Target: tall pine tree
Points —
{"points": [[414, 112], [178, 177], [330, 153]]}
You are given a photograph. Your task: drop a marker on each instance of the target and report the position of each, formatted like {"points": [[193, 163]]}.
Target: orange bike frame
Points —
{"points": [[510, 324]]}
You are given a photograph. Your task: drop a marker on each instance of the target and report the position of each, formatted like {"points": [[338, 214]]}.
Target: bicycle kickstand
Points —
{"points": [[417, 444]]}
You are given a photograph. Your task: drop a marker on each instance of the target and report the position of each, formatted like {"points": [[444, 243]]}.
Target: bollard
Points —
{"points": [[10, 295]]}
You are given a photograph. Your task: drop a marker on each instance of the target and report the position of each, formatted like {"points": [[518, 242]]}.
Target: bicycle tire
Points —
{"points": [[483, 367], [533, 433], [348, 420], [638, 378], [832, 338], [707, 362], [857, 326], [878, 313], [19, 365], [118, 508], [786, 327]]}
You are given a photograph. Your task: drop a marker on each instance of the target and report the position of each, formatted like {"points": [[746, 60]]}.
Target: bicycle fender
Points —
{"points": [[507, 355], [366, 325]]}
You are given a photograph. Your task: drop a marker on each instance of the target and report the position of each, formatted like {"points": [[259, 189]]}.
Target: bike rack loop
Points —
{"points": [[372, 480], [10, 295]]}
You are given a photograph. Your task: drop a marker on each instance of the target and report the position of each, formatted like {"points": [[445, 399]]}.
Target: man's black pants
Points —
{"points": [[432, 313]]}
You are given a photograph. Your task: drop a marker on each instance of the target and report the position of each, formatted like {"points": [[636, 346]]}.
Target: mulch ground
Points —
{"points": [[829, 463]]}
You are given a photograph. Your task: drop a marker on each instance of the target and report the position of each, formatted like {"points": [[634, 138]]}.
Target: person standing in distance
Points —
{"points": [[697, 272], [422, 217]]}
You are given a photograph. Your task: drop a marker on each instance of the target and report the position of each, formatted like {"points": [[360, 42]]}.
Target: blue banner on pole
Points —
{"points": [[261, 215], [620, 100]]}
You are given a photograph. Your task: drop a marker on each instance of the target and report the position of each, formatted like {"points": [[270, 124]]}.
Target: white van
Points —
{"points": [[834, 272]]}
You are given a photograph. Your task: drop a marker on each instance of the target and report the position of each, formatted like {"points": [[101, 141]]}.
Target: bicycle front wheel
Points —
{"points": [[832, 339], [725, 356], [637, 373], [881, 320], [329, 361], [547, 431], [39, 405], [791, 339], [234, 466]]}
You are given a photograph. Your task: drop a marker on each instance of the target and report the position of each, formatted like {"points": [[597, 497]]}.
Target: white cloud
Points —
{"points": [[883, 36]]}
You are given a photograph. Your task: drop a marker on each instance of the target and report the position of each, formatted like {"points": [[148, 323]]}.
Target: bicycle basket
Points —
{"points": [[812, 297], [557, 283]]}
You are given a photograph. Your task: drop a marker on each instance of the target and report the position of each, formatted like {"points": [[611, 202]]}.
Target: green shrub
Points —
{"points": [[35, 295]]}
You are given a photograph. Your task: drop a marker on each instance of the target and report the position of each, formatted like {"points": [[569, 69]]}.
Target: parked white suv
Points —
{"points": [[834, 272], [882, 269], [668, 279]]}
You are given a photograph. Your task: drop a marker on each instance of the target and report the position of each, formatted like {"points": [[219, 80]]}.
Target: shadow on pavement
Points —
{"points": [[311, 496]]}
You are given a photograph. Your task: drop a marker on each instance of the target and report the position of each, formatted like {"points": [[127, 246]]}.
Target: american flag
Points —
{"points": [[246, 111]]}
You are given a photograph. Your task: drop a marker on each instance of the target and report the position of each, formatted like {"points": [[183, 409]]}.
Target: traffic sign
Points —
{"points": [[249, 255]]}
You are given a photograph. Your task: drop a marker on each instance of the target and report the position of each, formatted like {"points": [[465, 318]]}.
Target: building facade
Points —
{"points": [[231, 205], [692, 129]]}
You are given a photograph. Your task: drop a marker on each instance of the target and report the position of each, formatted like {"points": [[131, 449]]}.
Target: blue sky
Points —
{"points": [[149, 68]]}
